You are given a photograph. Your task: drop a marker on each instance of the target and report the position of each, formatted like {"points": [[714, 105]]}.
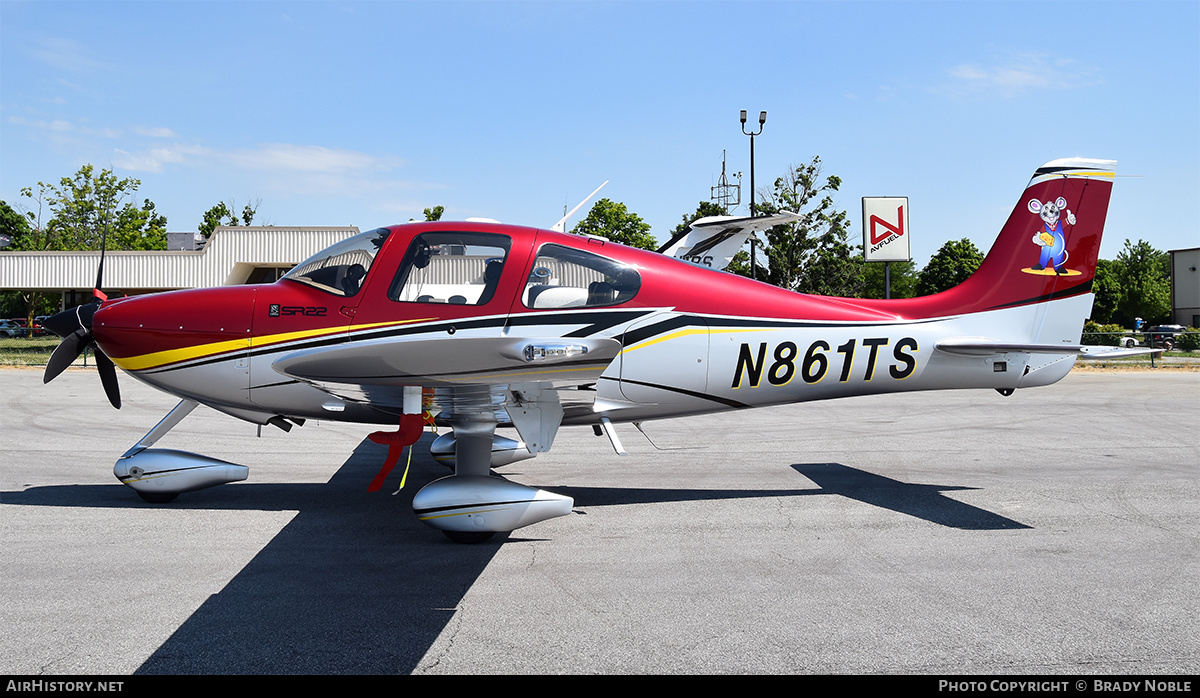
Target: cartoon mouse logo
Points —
{"points": [[1051, 239]]}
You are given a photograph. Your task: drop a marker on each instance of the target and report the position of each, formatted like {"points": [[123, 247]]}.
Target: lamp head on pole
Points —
{"points": [[762, 118], [744, 116]]}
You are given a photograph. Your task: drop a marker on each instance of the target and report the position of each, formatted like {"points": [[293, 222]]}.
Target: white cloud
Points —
{"points": [[103, 132], [55, 125], [286, 157], [154, 132], [66, 54], [136, 163], [1015, 75], [297, 170], [153, 159]]}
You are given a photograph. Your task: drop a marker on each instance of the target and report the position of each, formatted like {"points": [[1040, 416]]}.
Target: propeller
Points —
{"points": [[75, 328]]}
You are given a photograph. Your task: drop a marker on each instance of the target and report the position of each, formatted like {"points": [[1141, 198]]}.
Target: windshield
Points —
{"points": [[340, 269]]}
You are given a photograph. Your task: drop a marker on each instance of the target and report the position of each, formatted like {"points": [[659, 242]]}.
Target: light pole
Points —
{"points": [[762, 119]]}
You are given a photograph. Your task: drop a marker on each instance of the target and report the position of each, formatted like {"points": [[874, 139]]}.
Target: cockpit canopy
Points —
{"points": [[459, 267]]}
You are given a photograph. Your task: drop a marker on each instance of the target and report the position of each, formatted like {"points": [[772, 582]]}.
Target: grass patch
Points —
{"points": [[20, 351], [1173, 361]]}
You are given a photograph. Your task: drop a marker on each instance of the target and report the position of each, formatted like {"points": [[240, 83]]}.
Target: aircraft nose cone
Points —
{"points": [[62, 324], [70, 320]]}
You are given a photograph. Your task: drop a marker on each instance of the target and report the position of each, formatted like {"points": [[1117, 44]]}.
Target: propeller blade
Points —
{"points": [[65, 353], [108, 378]]}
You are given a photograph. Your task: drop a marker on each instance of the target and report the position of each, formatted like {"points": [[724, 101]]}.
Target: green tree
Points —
{"points": [[814, 254], [951, 266], [13, 224], [223, 214], [21, 231], [1096, 334], [435, 213], [84, 210], [904, 280], [1107, 287], [612, 220], [1144, 274], [86, 206]]}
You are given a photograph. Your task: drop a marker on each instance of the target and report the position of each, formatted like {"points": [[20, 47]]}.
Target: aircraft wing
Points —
{"points": [[438, 362], [523, 381], [714, 240]]}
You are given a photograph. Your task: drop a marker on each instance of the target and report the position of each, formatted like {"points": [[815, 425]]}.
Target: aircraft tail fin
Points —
{"points": [[1032, 292], [1048, 248], [714, 240]]}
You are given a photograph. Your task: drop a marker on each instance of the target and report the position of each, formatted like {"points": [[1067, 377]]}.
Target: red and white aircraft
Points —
{"points": [[477, 325]]}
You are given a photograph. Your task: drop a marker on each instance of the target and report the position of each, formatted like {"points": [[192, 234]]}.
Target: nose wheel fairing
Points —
{"points": [[159, 474]]}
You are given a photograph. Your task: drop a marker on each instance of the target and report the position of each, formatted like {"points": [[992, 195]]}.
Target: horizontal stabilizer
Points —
{"points": [[1115, 352], [714, 240], [983, 347]]}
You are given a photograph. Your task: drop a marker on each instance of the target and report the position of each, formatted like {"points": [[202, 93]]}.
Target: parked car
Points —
{"points": [[10, 329], [21, 323], [1163, 335]]}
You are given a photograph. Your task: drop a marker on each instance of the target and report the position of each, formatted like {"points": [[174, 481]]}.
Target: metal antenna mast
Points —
{"points": [[727, 196]]}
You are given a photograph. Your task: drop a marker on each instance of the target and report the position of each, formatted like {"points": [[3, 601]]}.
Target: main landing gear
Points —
{"points": [[471, 505]]}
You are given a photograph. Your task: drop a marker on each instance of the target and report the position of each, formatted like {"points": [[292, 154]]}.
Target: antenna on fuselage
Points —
{"points": [[561, 225]]}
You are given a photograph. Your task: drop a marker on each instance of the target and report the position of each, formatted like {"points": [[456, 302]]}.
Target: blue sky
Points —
{"points": [[364, 113]]}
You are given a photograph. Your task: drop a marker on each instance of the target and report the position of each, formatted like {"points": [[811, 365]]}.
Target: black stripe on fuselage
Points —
{"points": [[1077, 290], [691, 393]]}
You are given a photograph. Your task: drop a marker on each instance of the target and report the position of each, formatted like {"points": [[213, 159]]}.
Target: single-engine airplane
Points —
{"points": [[475, 325]]}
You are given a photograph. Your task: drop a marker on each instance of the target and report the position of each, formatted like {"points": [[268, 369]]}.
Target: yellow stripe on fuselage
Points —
{"points": [[159, 359], [689, 332]]}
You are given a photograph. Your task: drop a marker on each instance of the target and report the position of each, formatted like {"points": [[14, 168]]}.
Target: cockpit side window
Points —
{"points": [[564, 277], [340, 269], [451, 267]]}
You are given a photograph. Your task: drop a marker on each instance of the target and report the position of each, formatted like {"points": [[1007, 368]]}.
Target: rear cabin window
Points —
{"points": [[449, 267], [564, 277]]}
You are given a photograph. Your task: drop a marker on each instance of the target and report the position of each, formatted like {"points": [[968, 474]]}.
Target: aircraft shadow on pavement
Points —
{"points": [[342, 589], [349, 586], [921, 501], [351, 589]]}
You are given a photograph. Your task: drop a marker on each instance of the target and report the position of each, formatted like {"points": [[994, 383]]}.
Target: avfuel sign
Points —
{"points": [[885, 229]]}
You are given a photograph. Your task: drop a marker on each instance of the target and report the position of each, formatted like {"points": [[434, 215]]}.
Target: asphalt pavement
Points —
{"points": [[1053, 531]]}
